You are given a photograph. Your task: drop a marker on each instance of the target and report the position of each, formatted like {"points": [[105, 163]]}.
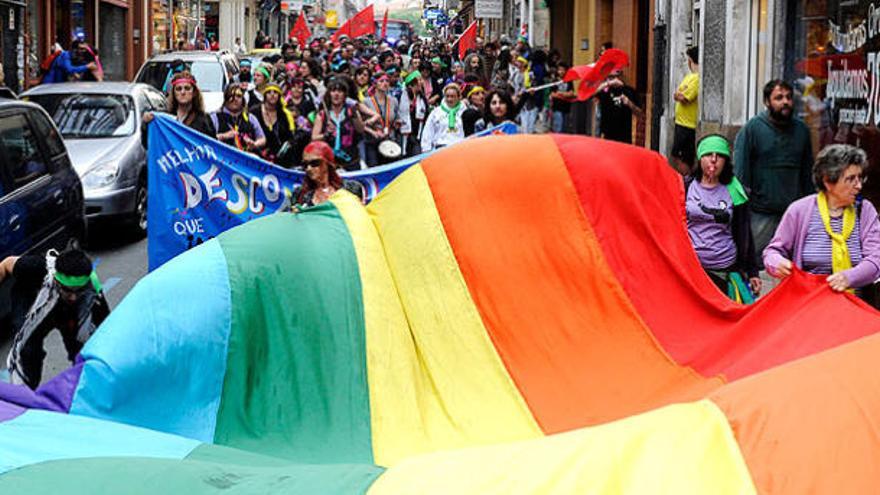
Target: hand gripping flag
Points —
{"points": [[592, 75], [300, 30]]}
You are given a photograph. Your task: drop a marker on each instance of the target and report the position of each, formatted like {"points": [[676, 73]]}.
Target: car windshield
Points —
{"points": [[89, 115], [208, 74]]}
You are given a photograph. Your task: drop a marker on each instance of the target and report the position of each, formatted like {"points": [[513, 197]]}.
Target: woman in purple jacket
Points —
{"points": [[834, 232]]}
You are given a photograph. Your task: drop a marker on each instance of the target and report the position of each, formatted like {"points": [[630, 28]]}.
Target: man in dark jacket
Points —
{"points": [[773, 159]]}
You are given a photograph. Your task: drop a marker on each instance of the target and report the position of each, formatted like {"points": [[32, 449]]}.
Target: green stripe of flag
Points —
{"points": [[229, 472], [296, 383]]}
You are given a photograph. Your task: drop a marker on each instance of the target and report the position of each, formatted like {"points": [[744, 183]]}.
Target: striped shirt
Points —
{"points": [[817, 244]]}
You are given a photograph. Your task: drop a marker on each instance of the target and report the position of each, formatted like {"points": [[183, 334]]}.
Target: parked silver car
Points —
{"points": [[212, 70], [100, 126]]}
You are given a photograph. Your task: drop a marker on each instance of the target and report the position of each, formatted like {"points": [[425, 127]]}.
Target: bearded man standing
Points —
{"points": [[773, 159]]}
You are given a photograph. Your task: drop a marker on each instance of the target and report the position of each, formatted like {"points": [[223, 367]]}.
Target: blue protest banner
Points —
{"points": [[199, 187]]}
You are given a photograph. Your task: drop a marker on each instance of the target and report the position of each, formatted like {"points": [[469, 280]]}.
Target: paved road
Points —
{"points": [[122, 261]]}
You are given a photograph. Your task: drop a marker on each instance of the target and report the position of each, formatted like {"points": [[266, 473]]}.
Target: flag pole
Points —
{"points": [[545, 86]]}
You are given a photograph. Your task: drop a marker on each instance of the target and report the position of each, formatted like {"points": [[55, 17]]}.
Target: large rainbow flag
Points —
{"points": [[516, 314]]}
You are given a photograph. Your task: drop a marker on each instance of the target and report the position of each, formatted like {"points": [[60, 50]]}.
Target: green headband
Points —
{"points": [[264, 71], [71, 281], [713, 144], [412, 75]]}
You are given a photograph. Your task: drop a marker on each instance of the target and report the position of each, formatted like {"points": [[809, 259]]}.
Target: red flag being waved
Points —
{"points": [[467, 40], [384, 24], [300, 30], [592, 75], [344, 29], [363, 23]]}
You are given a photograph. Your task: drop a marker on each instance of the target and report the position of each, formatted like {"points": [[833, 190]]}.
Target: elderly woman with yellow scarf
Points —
{"points": [[834, 232]]}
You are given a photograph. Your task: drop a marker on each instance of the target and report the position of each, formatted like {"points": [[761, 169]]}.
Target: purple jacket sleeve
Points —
{"points": [[782, 244], [868, 271]]}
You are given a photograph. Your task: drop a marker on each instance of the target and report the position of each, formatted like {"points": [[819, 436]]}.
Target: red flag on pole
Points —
{"points": [[345, 29], [592, 75], [467, 40], [384, 24], [363, 23], [300, 30]]}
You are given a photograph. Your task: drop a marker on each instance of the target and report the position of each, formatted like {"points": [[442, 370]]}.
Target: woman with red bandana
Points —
{"points": [[186, 105], [321, 180]]}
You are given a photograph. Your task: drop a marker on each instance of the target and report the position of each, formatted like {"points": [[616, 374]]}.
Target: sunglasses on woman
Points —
{"points": [[313, 163], [182, 88]]}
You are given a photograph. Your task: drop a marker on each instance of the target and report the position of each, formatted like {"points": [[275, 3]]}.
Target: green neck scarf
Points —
{"points": [[450, 112]]}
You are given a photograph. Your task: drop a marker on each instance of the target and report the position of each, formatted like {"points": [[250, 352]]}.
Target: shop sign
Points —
{"points": [[489, 9], [852, 89], [331, 20], [433, 14]]}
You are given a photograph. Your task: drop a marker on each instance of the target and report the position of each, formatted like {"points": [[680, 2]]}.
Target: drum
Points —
{"points": [[390, 150]]}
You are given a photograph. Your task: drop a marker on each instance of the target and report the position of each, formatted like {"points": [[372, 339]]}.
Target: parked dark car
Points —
{"points": [[41, 198]]}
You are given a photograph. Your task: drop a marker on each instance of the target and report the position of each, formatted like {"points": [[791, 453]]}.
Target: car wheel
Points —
{"points": [[140, 207]]}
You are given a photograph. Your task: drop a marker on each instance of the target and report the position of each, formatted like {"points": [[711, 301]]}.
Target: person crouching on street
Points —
{"points": [[51, 292]]}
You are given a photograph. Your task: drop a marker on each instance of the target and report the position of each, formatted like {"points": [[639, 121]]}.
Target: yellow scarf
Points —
{"points": [[839, 253]]}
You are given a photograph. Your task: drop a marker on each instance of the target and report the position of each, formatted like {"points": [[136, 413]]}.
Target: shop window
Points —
{"points": [[833, 58]]}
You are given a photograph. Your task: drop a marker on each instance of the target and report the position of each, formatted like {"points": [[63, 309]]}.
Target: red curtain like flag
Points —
{"points": [[467, 40], [384, 24], [343, 29], [300, 30], [363, 23], [592, 75]]}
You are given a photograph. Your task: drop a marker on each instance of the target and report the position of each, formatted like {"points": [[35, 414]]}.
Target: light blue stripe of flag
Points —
{"points": [[39, 436], [158, 361]]}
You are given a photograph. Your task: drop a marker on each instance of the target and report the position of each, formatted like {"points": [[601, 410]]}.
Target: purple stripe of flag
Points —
{"points": [[55, 395]]}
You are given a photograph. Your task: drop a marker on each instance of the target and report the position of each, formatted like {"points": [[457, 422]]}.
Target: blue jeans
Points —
{"points": [[559, 121], [527, 118]]}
